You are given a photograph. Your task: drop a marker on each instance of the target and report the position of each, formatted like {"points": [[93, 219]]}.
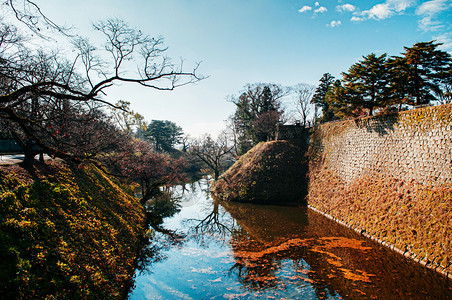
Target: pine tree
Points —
{"points": [[367, 83], [320, 97], [421, 71]]}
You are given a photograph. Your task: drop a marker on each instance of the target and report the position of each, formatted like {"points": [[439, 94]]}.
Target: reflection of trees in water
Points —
{"points": [[213, 224], [164, 205], [191, 193], [278, 249], [216, 224], [260, 266]]}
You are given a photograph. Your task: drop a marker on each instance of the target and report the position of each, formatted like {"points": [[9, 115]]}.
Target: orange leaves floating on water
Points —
{"points": [[260, 265], [273, 250], [363, 276]]}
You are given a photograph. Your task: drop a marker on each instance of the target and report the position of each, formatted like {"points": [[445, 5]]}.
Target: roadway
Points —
{"points": [[10, 159]]}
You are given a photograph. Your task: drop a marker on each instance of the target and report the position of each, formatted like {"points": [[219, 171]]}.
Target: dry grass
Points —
{"points": [[271, 172], [409, 215]]}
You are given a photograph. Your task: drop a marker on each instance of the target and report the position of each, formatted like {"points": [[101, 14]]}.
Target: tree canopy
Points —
{"points": [[163, 134], [366, 83], [258, 111], [213, 152], [43, 90], [319, 98], [421, 75], [424, 69]]}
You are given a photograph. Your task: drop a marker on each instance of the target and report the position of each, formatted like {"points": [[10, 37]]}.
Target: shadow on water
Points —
{"points": [[207, 249], [164, 205], [282, 245]]}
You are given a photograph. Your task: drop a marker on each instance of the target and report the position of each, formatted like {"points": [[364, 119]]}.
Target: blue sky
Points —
{"points": [[244, 41]]}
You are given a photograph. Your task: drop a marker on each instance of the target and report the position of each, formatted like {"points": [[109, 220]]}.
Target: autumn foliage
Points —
{"points": [[66, 230], [411, 216], [138, 161], [271, 172]]}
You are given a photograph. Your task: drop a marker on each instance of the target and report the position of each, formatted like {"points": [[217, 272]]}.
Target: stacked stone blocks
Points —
{"points": [[411, 145], [390, 178]]}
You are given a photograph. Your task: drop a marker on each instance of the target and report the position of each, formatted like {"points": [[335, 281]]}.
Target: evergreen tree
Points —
{"points": [[421, 72], [258, 111], [164, 134], [320, 97], [367, 83]]}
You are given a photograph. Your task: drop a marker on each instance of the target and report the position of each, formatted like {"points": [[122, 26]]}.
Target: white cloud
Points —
{"points": [[334, 24], [446, 41], [317, 4], [428, 10], [321, 10], [346, 8], [356, 19], [428, 24], [432, 7], [378, 12], [385, 10], [400, 5], [305, 8]]}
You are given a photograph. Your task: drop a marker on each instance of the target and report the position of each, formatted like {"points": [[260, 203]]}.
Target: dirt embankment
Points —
{"points": [[272, 172], [66, 232]]}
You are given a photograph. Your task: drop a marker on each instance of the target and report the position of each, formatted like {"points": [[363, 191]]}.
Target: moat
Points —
{"points": [[206, 249]]}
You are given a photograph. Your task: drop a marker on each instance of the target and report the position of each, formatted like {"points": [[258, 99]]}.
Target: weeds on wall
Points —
{"points": [[409, 215]]}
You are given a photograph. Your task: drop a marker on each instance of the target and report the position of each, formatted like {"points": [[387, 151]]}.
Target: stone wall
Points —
{"points": [[389, 177], [415, 144]]}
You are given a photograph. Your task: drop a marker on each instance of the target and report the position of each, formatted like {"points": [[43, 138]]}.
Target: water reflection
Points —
{"points": [[240, 251], [163, 205]]}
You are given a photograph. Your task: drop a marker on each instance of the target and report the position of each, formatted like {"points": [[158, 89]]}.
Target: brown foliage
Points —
{"points": [[411, 216], [271, 172]]}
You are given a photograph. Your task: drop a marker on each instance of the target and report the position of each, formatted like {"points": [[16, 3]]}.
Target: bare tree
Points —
{"points": [[213, 153], [34, 81], [28, 13], [128, 121], [302, 102]]}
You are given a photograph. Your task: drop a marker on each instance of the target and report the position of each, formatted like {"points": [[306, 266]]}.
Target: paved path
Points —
{"points": [[10, 159]]}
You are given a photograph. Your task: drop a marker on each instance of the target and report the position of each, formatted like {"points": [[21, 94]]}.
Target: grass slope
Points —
{"points": [[66, 233], [271, 172]]}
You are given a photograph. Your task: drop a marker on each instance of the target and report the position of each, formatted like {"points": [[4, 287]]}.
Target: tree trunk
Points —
{"points": [[29, 154], [151, 190]]}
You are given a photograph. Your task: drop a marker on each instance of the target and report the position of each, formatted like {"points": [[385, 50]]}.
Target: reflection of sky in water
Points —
{"points": [[191, 272], [252, 252]]}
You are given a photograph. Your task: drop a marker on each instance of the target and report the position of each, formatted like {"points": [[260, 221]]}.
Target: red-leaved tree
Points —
{"points": [[139, 162]]}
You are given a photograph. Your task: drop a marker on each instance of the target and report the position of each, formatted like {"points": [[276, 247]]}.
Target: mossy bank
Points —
{"points": [[66, 232], [273, 172]]}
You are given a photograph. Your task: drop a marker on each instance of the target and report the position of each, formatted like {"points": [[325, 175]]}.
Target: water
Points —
{"points": [[212, 250]]}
